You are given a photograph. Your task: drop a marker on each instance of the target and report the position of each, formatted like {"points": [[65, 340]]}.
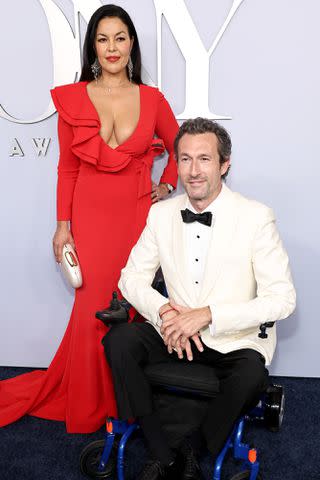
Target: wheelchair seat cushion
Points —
{"points": [[190, 377]]}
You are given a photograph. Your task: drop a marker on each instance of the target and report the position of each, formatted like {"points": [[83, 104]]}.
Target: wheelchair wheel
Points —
{"points": [[275, 400], [90, 459], [244, 476]]}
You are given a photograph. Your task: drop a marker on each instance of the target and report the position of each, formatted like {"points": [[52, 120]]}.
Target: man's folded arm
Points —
{"points": [[276, 296], [137, 276]]}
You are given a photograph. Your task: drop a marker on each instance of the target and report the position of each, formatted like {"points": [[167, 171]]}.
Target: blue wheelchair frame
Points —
{"points": [[241, 451]]}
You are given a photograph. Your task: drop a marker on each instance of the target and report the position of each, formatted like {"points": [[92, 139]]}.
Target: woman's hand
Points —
{"points": [[159, 191], [61, 237]]}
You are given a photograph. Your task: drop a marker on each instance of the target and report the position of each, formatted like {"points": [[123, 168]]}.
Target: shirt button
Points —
{"points": [[198, 236], [197, 259], [196, 282]]}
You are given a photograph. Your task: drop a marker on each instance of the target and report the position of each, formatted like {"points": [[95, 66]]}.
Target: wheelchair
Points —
{"points": [[195, 385]]}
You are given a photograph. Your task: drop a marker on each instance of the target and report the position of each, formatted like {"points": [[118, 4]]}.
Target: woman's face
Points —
{"points": [[113, 44]]}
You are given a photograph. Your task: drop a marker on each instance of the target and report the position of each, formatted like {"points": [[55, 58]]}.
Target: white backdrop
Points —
{"points": [[264, 73]]}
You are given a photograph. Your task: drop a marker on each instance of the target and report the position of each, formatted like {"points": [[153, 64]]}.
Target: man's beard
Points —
{"points": [[197, 196]]}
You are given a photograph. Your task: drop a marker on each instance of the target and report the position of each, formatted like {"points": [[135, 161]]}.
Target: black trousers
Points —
{"points": [[242, 376]]}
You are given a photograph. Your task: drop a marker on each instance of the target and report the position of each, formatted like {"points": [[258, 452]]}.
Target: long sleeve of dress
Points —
{"points": [[68, 169], [167, 128]]}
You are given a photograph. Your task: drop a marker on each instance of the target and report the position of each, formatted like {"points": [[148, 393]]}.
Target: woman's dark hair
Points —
{"points": [[89, 54], [195, 126]]}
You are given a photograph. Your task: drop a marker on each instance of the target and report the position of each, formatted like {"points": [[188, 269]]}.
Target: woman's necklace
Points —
{"points": [[109, 88]]}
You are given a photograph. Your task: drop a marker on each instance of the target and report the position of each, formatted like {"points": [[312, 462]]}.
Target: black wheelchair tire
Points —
{"points": [[244, 476], [90, 458], [274, 410]]}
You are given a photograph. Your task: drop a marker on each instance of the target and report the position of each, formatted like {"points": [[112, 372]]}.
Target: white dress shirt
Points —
{"points": [[197, 238]]}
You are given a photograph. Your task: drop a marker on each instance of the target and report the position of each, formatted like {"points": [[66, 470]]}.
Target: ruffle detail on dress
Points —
{"points": [[72, 104], [75, 107]]}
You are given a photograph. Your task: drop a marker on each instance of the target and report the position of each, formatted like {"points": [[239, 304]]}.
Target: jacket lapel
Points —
{"points": [[222, 235]]}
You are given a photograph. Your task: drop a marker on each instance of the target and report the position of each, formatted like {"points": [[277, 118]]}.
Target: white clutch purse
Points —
{"points": [[70, 266]]}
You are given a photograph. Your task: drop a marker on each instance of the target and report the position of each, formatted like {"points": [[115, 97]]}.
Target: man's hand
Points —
{"points": [[185, 344], [186, 324], [167, 314]]}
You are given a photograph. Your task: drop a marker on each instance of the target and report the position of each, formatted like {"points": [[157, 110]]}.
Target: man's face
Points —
{"points": [[199, 167]]}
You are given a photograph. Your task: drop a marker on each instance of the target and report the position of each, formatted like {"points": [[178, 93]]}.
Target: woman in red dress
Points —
{"points": [[106, 128]]}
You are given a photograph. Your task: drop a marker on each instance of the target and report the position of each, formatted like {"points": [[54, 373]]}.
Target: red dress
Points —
{"points": [[106, 194]]}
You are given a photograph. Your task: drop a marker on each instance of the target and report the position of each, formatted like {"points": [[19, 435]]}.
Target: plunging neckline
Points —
{"points": [[100, 124]]}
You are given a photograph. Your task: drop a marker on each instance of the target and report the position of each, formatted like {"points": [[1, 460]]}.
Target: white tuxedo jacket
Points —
{"points": [[247, 279]]}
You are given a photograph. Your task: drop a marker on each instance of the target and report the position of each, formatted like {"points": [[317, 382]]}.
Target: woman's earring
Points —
{"points": [[130, 68], [96, 69]]}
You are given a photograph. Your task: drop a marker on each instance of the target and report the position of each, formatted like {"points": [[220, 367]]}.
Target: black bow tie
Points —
{"points": [[188, 217]]}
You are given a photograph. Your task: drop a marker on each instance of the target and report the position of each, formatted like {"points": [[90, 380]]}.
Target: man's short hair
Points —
{"points": [[196, 126]]}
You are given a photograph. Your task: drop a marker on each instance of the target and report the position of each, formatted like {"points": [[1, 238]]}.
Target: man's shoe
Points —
{"points": [[155, 470], [190, 467]]}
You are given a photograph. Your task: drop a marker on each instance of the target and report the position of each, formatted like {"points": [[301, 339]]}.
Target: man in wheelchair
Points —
{"points": [[226, 273]]}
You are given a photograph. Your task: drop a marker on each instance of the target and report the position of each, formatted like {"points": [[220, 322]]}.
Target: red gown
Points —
{"points": [[105, 192]]}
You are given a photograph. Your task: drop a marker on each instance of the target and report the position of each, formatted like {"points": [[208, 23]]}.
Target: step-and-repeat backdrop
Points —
{"points": [[252, 64]]}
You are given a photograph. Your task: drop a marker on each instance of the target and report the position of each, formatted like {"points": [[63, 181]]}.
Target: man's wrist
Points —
{"points": [[212, 326], [166, 307], [166, 311], [207, 317]]}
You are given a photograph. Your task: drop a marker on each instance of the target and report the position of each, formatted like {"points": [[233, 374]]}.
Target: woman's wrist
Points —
{"points": [[63, 225], [169, 187]]}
